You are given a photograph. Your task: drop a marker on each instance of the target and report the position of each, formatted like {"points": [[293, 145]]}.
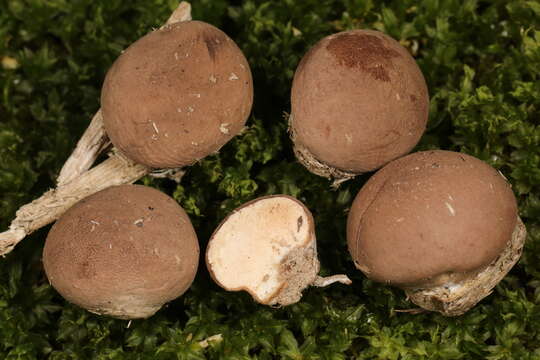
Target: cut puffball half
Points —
{"points": [[268, 248]]}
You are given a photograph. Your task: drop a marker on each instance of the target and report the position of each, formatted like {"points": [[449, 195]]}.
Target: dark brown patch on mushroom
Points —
{"points": [[412, 97], [213, 42], [363, 51], [327, 130], [299, 223], [85, 272]]}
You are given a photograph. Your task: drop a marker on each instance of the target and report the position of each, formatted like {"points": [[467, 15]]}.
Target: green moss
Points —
{"points": [[482, 63]]}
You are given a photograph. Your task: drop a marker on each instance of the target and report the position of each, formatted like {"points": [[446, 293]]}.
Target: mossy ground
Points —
{"points": [[481, 60]]}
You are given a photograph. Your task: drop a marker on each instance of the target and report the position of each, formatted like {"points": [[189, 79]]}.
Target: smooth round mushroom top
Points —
{"points": [[124, 252], [177, 95], [430, 217], [358, 101]]}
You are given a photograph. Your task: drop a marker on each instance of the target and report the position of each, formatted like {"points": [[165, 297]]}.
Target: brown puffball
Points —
{"points": [[177, 95], [123, 252], [436, 219], [358, 101]]}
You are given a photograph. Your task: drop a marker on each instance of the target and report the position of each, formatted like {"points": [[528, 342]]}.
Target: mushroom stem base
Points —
{"points": [[131, 310], [329, 280], [306, 158], [454, 299], [298, 271]]}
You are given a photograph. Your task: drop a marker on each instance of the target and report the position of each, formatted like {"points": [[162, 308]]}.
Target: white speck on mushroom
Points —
{"points": [[417, 168], [212, 79], [110, 246], [450, 197], [154, 137], [233, 76], [155, 127], [400, 219], [190, 110], [451, 209], [223, 128], [138, 222], [179, 110], [242, 66], [398, 97], [178, 261], [452, 286], [166, 135], [176, 56], [196, 95], [187, 54], [194, 143], [348, 137], [94, 224]]}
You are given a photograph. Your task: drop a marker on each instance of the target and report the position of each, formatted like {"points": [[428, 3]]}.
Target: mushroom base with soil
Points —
{"points": [[317, 167], [267, 247], [456, 298]]}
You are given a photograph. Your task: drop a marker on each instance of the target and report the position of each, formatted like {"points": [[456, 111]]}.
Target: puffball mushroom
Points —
{"points": [[358, 101], [177, 95], [442, 225], [268, 248], [122, 252]]}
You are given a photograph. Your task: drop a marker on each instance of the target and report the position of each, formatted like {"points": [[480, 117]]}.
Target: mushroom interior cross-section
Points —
{"points": [[267, 247]]}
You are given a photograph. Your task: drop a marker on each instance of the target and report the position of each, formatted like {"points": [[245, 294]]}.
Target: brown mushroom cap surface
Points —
{"points": [[358, 101], [430, 218], [177, 95], [124, 252]]}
